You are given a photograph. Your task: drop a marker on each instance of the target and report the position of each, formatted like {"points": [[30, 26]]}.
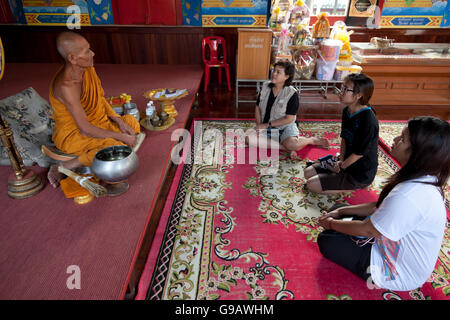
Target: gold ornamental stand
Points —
{"points": [[167, 104], [23, 183]]}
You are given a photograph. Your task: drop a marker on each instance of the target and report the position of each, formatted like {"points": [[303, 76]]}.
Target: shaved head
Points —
{"points": [[69, 43]]}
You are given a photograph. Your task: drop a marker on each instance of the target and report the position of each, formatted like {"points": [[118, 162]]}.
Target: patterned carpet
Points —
{"points": [[235, 231]]}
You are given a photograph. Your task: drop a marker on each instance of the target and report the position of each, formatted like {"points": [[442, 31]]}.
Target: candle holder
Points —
{"points": [[23, 183]]}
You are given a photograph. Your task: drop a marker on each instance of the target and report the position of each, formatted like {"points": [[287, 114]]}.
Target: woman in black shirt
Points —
{"points": [[359, 132]]}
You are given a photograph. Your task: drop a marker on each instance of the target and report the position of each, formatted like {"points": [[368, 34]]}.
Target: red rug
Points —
{"points": [[229, 231]]}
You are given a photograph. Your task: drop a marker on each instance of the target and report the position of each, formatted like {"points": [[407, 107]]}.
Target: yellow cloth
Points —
{"points": [[72, 189], [67, 136]]}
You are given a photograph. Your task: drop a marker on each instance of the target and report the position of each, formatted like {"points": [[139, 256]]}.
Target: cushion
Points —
{"points": [[29, 117]]}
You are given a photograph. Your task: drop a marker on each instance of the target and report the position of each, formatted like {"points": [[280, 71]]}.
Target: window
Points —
{"points": [[332, 7]]}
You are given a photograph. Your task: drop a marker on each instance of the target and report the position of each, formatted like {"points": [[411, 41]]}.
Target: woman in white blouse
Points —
{"points": [[396, 241]]}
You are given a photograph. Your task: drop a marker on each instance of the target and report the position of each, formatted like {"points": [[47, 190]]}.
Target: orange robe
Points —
{"points": [[67, 136]]}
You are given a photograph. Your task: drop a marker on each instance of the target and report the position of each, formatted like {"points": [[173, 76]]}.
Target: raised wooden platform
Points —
{"points": [[109, 238]]}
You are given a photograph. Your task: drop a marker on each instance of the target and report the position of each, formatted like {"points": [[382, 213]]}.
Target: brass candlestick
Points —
{"points": [[23, 183]]}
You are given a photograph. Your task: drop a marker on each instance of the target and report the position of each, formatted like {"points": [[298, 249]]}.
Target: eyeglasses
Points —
{"points": [[344, 89]]}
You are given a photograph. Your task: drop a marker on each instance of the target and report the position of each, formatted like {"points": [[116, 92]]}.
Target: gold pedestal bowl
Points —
{"points": [[167, 103]]}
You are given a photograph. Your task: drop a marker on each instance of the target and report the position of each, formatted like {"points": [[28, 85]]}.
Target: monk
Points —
{"points": [[84, 122]]}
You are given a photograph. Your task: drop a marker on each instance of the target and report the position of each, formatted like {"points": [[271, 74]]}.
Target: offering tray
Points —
{"points": [[170, 121], [163, 96]]}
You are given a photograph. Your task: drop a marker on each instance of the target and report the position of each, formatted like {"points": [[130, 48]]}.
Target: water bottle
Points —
{"points": [[149, 112]]}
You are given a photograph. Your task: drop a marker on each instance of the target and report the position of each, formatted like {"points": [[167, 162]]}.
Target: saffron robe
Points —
{"points": [[67, 136]]}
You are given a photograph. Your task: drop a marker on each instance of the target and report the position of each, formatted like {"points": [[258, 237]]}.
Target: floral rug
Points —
{"points": [[240, 231]]}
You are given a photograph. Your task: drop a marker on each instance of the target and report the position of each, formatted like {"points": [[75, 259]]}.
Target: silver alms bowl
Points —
{"points": [[115, 164]]}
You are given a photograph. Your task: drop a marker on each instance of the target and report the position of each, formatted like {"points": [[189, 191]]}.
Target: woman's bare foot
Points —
{"points": [[54, 176], [321, 142]]}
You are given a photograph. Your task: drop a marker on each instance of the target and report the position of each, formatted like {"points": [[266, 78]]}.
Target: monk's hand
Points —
{"points": [[123, 127], [129, 139]]}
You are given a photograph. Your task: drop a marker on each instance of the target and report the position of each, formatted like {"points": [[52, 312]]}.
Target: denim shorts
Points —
{"points": [[291, 130]]}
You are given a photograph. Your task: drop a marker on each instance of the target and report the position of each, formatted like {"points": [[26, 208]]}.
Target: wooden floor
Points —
{"points": [[218, 102]]}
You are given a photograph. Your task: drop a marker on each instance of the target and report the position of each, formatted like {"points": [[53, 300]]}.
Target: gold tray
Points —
{"points": [[151, 93], [167, 103], [170, 122]]}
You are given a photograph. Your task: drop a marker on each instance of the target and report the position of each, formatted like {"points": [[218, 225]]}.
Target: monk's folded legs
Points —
{"points": [[54, 176], [85, 148]]}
